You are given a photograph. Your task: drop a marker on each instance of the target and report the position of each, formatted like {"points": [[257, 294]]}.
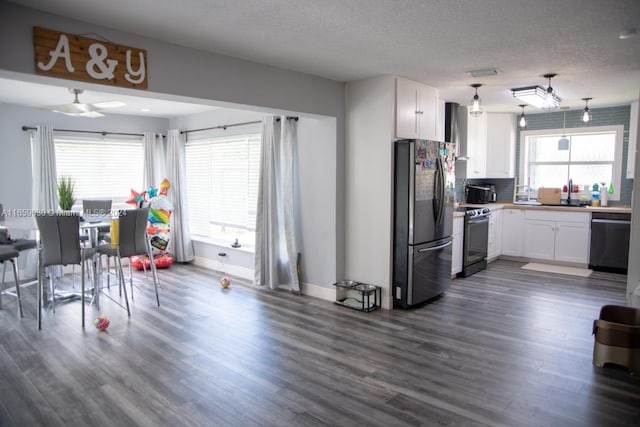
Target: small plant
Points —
{"points": [[65, 194]]}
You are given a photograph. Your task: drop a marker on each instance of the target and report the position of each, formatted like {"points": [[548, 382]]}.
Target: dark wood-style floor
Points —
{"points": [[506, 346]]}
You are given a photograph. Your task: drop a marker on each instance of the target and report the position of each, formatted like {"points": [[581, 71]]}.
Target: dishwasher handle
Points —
{"points": [[610, 221]]}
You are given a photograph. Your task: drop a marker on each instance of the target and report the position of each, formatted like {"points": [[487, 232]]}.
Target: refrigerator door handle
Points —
{"points": [[436, 199], [440, 190], [435, 248]]}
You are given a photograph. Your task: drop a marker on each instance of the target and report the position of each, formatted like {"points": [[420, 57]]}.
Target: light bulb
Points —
{"points": [[586, 115], [475, 109], [523, 121]]}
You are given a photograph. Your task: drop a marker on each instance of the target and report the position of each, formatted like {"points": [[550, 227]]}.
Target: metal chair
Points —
{"points": [[9, 254], [100, 209], [132, 240], [18, 244], [60, 245]]}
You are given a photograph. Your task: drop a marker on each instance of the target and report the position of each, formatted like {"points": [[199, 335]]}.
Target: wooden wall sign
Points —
{"points": [[80, 58]]}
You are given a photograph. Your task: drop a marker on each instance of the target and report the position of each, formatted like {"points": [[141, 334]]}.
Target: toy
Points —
{"points": [[162, 260], [225, 282], [137, 199], [102, 323], [164, 187]]}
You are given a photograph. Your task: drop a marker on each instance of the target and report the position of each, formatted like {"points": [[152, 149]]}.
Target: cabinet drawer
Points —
{"points": [[581, 217]]}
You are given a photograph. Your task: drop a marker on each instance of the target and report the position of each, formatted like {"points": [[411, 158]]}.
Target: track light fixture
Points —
{"points": [[475, 109], [522, 119], [545, 99], [586, 113]]}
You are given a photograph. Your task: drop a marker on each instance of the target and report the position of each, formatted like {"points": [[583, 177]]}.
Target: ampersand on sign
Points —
{"points": [[98, 55]]}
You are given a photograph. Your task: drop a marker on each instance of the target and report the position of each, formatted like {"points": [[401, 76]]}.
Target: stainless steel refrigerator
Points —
{"points": [[424, 198]]}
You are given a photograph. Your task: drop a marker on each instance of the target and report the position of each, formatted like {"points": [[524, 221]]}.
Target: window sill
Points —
{"points": [[223, 244]]}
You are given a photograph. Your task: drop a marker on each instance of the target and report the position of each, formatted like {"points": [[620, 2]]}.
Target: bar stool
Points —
{"points": [[132, 240], [60, 245], [9, 254]]}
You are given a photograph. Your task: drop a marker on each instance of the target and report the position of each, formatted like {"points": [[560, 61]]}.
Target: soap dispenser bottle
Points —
{"points": [[603, 194]]}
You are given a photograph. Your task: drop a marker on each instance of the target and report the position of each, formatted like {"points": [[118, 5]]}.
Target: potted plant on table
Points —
{"points": [[65, 194]]}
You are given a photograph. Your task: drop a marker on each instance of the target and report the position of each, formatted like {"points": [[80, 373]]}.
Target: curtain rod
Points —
{"points": [[103, 133], [224, 127]]}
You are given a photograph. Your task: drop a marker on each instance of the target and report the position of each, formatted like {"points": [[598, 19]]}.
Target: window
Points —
{"points": [[101, 167], [594, 155], [222, 186]]}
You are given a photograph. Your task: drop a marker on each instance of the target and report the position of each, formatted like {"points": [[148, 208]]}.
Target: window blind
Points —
{"points": [[222, 182], [101, 168]]}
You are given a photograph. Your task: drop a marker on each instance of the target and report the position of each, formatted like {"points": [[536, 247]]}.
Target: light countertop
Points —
{"points": [[509, 205]]}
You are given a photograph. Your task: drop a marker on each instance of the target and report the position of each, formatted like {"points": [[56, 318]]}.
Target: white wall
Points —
{"points": [[316, 211], [180, 71], [175, 72], [369, 155]]}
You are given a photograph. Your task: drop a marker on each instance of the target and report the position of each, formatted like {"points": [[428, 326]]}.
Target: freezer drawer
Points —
{"points": [[610, 242], [428, 271]]}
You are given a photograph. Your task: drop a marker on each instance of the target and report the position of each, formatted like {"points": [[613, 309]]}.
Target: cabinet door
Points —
{"points": [[477, 146], [406, 109], [440, 120], [497, 216], [427, 112], [491, 240], [512, 232], [458, 240], [501, 142], [539, 239], [572, 242]]}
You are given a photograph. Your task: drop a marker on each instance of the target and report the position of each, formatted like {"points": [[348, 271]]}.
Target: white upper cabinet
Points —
{"points": [[477, 146], [440, 120], [416, 110], [501, 144], [490, 145]]}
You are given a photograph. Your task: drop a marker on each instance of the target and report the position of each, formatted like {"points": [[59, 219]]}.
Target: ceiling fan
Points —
{"points": [[79, 109]]}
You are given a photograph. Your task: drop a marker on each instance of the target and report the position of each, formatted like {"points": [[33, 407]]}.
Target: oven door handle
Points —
{"points": [[435, 248], [478, 221]]}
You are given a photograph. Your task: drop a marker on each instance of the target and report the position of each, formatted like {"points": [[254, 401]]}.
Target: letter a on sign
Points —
{"points": [[62, 50]]}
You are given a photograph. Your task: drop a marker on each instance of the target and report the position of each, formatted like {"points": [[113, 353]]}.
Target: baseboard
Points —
{"points": [[230, 269], [317, 291]]}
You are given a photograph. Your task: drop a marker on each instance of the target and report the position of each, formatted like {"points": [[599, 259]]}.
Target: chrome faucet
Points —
{"points": [[569, 190]]}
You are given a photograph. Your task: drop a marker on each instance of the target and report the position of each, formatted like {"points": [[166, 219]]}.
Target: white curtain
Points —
{"points": [[176, 164], [276, 242], [44, 187], [44, 194], [154, 159]]}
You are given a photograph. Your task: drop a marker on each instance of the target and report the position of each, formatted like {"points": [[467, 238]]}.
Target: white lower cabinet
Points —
{"points": [[456, 249], [557, 236], [494, 245], [512, 232], [540, 239]]}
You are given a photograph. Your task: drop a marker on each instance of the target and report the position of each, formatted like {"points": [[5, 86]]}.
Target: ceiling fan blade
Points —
{"points": [[73, 108]]}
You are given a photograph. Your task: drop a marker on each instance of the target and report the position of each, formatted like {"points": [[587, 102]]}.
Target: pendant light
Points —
{"points": [[522, 119], [586, 113], [549, 102], [563, 143], [475, 108]]}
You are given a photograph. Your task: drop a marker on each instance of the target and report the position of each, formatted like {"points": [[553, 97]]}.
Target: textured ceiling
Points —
{"points": [[432, 41]]}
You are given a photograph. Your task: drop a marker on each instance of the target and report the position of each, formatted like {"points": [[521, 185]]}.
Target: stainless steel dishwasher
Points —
{"points": [[610, 242]]}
